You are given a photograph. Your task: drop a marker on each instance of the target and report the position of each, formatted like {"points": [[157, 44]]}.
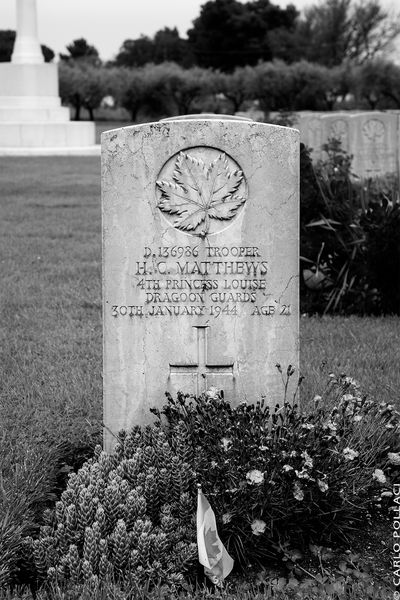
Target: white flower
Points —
{"points": [[302, 474], [287, 468], [226, 518], [317, 398], [351, 381], [298, 492], [379, 475], [330, 425], [323, 486], [308, 462], [263, 448], [214, 464], [213, 393], [394, 458], [357, 418], [350, 454], [255, 476], [258, 526], [225, 443], [347, 397], [293, 453]]}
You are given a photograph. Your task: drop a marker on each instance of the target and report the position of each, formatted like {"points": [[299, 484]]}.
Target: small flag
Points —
{"points": [[212, 553]]}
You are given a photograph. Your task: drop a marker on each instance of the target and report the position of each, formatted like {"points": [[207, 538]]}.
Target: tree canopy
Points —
{"points": [[229, 33], [344, 30], [7, 39], [80, 50], [166, 45]]}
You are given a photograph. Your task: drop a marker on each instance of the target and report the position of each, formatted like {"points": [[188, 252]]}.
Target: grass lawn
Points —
{"points": [[50, 326]]}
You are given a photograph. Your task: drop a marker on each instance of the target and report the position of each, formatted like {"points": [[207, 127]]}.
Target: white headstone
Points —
{"points": [[375, 144], [200, 263], [311, 132], [337, 126]]}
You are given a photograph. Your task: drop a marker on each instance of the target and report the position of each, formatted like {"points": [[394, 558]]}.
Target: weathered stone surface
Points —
{"points": [[311, 132], [371, 138], [200, 241], [375, 146], [338, 126]]}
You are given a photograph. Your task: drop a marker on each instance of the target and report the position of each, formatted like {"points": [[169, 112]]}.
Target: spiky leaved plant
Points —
{"points": [[128, 516]]}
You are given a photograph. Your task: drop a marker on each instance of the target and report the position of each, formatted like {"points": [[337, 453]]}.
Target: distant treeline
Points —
{"points": [[229, 34], [169, 89]]}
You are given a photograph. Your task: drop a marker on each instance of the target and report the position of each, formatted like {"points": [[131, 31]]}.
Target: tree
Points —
{"points": [[7, 39], [165, 46], [238, 86], [83, 85], [135, 53], [344, 30], [377, 82], [184, 87], [229, 33], [80, 50], [170, 47], [139, 89]]}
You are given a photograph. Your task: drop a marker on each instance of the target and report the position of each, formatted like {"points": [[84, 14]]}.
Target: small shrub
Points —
{"points": [[128, 516], [276, 478], [350, 252], [282, 475]]}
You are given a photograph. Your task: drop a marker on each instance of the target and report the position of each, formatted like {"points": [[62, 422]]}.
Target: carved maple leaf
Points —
{"points": [[198, 193]]}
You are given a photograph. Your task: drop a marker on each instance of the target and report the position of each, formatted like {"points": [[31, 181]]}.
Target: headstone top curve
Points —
{"points": [[207, 117]]}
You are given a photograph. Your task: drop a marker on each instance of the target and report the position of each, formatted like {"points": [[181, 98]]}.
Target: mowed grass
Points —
{"points": [[50, 326]]}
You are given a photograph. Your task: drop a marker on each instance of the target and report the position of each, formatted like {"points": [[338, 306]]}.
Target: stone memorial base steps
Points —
{"points": [[32, 120]]}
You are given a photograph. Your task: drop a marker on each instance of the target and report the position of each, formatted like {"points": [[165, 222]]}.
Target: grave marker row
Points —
{"points": [[372, 139]]}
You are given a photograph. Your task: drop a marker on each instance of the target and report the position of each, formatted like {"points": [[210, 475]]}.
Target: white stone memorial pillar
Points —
{"points": [[27, 48], [32, 120]]}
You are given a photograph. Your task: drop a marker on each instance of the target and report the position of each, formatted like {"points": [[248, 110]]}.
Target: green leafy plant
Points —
{"points": [[349, 237], [126, 516], [282, 475]]}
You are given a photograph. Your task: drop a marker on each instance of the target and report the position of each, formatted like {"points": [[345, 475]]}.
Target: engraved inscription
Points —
{"points": [[206, 281], [199, 189]]}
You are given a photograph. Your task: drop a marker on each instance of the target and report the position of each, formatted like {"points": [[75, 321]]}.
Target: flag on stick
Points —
{"points": [[212, 553]]}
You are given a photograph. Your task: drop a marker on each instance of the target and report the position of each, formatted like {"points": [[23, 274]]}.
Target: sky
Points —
{"points": [[107, 23]]}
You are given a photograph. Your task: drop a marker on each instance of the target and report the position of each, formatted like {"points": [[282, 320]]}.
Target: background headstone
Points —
{"points": [[200, 260], [311, 133], [337, 126], [375, 144]]}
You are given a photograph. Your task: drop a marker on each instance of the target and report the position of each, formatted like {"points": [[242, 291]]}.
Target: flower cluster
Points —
{"points": [[276, 473]]}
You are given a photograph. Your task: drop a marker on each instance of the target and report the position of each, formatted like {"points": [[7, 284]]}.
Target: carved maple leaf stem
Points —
{"points": [[212, 191], [196, 187], [206, 223]]}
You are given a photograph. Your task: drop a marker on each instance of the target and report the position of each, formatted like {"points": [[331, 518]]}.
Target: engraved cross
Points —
{"points": [[203, 367]]}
